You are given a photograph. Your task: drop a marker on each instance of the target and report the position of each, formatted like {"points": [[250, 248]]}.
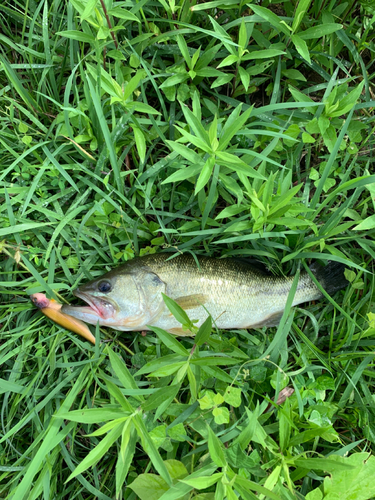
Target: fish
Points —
{"points": [[236, 294], [52, 309]]}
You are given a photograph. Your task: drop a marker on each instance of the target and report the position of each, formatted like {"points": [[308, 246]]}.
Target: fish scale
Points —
{"points": [[235, 293]]}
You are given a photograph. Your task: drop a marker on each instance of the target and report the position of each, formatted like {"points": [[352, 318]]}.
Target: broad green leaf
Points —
{"points": [[174, 80], [151, 450], [141, 107], [293, 74], [178, 433], [149, 486], [232, 211], [98, 452], [195, 57], [307, 138], [122, 373], [232, 396], [157, 398], [125, 457], [179, 490], [302, 8], [236, 164], [238, 458], [356, 483], [292, 131], [184, 50], [193, 385], [232, 186], [215, 449], [245, 77], [231, 59], [111, 425], [205, 174], [243, 38], [176, 310], [214, 361], [184, 173], [301, 47], [253, 486], [330, 138], [157, 363], [234, 123], [325, 464], [260, 68], [207, 401], [212, 5], [308, 435], [93, 415], [221, 415], [347, 103], [319, 31], [282, 201], [186, 152], [368, 223], [77, 35], [170, 341], [107, 83], [222, 80], [200, 483], [299, 96], [263, 54], [140, 142], [209, 72], [323, 123], [204, 332], [123, 14], [133, 84], [176, 468], [195, 124], [103, 33], [197, 141], [212, 133], [270, 17], [168, 370], [223, 36]]}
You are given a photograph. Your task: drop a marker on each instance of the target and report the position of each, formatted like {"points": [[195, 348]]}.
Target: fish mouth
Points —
{"points": [[99, 308]]}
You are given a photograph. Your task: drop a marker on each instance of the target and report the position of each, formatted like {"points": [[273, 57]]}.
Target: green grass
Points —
{"points": [[219, 128]]}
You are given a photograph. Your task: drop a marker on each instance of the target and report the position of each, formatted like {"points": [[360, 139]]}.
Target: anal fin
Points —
{"points": [[271, 320]]}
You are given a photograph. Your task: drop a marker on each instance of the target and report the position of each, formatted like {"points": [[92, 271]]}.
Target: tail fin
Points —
{"points": [[331, 276]]}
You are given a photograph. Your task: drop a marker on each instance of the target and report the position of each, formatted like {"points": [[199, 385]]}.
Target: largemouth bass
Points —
{"points": [[233, 292]]}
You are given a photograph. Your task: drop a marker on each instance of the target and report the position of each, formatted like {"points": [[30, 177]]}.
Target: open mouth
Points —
{"points": [[95, 306]]}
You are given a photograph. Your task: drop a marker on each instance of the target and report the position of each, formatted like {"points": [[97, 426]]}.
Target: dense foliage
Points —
{"points": [[221, 128]]}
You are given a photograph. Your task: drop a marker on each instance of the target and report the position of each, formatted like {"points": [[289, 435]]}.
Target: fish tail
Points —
{"points": [[331, 276]]}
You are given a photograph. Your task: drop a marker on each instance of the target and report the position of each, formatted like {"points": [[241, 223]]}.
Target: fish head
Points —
{"points": [[121, 300]]}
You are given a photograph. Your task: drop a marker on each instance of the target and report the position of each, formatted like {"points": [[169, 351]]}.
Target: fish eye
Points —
{"points": [[104, 286]]}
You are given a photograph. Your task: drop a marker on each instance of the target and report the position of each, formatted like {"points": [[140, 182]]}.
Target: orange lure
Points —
{"points": [[51, 308]]}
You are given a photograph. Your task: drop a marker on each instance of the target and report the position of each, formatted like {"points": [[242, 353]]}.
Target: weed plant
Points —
{"points": [[218, 128]]}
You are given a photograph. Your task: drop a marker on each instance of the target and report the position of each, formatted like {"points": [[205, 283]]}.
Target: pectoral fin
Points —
{"points": [[191, 301], [181, 332]]}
